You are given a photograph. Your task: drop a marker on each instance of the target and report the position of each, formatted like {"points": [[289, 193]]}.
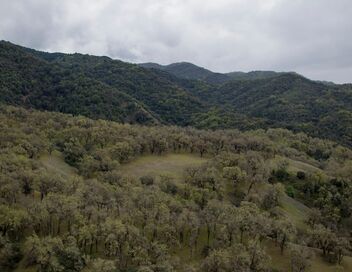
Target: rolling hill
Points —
{"points": [[78, 194], [177, 94]]}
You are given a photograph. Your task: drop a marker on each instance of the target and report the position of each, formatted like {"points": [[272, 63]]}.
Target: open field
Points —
{"points": [[295, 165], [296, 211], [282, 262], [170, 164], [55, 163]]}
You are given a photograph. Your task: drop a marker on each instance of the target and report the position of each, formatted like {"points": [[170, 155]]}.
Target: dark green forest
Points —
{"points": [[99, 87], [117, 167], [188, 70]]}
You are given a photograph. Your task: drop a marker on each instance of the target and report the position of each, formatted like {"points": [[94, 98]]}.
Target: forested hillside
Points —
{"points": [[97, 87], [290, 101], [188, 70], [84, 195], [180, 94], [267, 99]]}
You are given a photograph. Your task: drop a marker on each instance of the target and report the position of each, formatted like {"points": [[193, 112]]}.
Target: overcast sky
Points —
{"points": [[312, 37]]}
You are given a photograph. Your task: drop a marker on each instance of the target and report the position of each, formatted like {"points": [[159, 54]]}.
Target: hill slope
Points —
{"points": [[98, 87], [179, 94], [78, 194], [188, 70], [290, 101]]}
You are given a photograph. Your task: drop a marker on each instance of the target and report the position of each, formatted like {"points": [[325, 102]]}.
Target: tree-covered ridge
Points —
{"points": [[99, 87], [33, 82], [186, 70], [218, 217], [293, 102]]}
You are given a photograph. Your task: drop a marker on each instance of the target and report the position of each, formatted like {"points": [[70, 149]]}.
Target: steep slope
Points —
{"points": [[290, 101], [32, 82], [169, 101], [287, 100], [98, 87]]}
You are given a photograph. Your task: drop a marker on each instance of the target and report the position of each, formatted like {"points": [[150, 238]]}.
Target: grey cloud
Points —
{"points": [[310, 37]]}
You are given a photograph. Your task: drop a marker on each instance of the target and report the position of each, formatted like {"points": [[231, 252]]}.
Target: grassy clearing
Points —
{"points": [[170, 164], [296, 211], [281, 262], [294, 165], [55, 163]]}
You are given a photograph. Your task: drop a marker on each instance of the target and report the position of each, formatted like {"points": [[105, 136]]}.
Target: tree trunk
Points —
{"points": [[282, 244], [208, 233], [58, 226], [91, 247], [181, 237], [250, 187]]}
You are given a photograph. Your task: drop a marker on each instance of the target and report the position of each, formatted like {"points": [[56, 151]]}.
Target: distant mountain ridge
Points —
{"points": [[188, 70], [97, 87], [181, 94]]}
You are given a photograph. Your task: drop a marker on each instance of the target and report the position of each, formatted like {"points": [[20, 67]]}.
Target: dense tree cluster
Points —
{"points": [[220, 213]]}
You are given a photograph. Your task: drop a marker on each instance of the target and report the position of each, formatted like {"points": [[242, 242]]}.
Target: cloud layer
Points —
{"points": [[310, 37]]}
